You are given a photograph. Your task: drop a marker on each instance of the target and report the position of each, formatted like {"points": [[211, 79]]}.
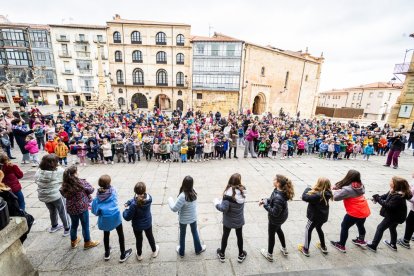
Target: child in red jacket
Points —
{"points": [[50, 145], [12, 174]]}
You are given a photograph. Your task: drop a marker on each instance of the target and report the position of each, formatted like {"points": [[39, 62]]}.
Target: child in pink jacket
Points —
{"points": [[31, 147]]}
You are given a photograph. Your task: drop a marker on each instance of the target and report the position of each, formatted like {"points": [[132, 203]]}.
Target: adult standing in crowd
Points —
{"points": [[20, 132], [251, 135], [395, 149]]}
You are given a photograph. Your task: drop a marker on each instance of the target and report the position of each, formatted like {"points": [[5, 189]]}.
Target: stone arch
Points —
{"points": [[162, 102], [140, 100], [259, 104], [180, 105]]}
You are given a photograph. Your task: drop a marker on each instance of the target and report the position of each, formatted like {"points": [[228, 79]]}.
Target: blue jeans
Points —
{"points": [[84, 219], [184, 157], [196, 239], [20, 200]]}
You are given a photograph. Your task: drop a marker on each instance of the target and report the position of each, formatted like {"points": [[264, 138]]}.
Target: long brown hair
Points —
{"points": [[187, 188], [285, 186], [141, 193], [322, 185], [350, 177], [71, 183], [235, 183], [401, 185]]}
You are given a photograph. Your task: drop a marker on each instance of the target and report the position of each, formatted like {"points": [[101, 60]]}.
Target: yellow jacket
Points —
{"points": [[61, 150]]}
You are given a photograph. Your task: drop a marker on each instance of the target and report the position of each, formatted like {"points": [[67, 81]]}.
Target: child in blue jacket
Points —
{"points": [[105, 206], [368, 150], [337, 150], [323, 149], [139, 211]]}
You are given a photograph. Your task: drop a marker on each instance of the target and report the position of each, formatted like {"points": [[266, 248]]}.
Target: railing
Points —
{"points": [[403, 68], [85, 71], [100, 40], [67, 72], [65, 54], [87, 88], [62, 38], [103, 56], [82, 54], [218, 53], [70, 89]]}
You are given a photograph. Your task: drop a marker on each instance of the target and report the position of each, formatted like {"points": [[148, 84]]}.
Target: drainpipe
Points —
{"points": [[123, 61], [242, 73], [172, 69], [300, 89]]}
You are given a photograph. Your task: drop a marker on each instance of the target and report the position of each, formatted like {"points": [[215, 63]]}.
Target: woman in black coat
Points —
{"points": [[396, 147], [20, 131], [394, 211]]}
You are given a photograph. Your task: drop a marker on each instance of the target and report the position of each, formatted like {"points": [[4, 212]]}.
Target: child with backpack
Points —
{"points": [[232, 207], [105, 206], [317, 213], [277, 209], [186, 206], [393, 209], [138, 210]]}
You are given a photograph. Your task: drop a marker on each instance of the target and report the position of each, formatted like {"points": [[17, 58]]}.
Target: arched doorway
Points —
{"points": [[162, 102], [180, 105], [140, 100], [121, 101], [259, 104]]}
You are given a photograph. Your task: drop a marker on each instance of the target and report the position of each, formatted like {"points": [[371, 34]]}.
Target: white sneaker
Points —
{"points": [[157, 250], [112, 162], [203, 248], [54, 229], [139, 257], [177, 249], [284, 251]]}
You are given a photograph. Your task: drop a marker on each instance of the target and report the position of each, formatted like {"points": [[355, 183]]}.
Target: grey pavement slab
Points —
{"points": [[51, 253]]}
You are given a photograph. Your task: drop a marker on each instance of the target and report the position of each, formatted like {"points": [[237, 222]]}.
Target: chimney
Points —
{"points": [[117, 17]]}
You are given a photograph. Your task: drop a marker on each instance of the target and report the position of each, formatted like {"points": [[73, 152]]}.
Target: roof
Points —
{"points": [[373, 85], [118, 19], [78, 26], [217, 37], [24, 25]]}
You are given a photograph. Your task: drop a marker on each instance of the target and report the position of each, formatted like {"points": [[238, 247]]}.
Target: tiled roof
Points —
{"points": [[145, 22], [217, 37], [366, 86], [78, 26], [24, 25]]}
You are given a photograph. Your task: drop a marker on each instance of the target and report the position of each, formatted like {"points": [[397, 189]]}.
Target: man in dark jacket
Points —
{"points": [[396, 147]]}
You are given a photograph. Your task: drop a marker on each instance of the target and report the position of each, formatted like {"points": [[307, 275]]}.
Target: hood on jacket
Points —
{"points": [[48, 176], [358, 187], [104, 194], [238, 196]]}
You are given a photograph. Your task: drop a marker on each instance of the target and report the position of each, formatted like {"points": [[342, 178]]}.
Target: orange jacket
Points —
{"points": [[50, 146], [357, 207], [383, 142]]}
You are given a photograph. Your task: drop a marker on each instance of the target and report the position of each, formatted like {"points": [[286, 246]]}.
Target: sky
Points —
{"points": [[361, 40]]}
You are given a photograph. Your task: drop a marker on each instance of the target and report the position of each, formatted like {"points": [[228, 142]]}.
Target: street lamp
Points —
{"points": [[406, 51]]}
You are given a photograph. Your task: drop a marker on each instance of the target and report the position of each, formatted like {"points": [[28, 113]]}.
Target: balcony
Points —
{"points": [[65, 54], [62, 38], [162, 84], [85, 71], [82, 39], [404, 68], [67, 72], [138, 83], [87, 88], [103, 56], [83, 54]]}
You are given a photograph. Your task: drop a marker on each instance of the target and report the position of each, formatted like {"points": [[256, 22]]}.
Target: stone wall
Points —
{"points": [[222, 101]]}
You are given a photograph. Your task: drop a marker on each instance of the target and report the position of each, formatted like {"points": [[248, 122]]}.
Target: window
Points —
{"points": [[138, 77], [136, 37], [99, 38], [179, 79], [137, 56], [354, 96], [214, 49], [16, 38], [39, 39], [18, 57], [306, 78], [180, 93], [160, 39], [117, 37], [82, 37], [120, 91], [161, 57], [230, 50], [262, 72], [359, 96], [69, 85], [119, 77], [199, 96], [180, 58], [118, 56], [371, 94], [200, 49], [162, 77], [368, 106], [180, 40], [380, 94], [286, 79], [49, 77]]}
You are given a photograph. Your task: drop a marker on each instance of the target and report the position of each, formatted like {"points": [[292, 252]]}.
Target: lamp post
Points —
{"points": [[406, 51]]}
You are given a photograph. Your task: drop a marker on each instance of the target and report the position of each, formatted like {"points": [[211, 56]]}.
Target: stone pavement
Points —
{"points": [[51, 253]]}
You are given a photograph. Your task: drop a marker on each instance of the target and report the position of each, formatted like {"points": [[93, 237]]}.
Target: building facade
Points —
{"points": [[375, 98], [216, 72], [150, 63], [25, 49], [78, 50]]}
